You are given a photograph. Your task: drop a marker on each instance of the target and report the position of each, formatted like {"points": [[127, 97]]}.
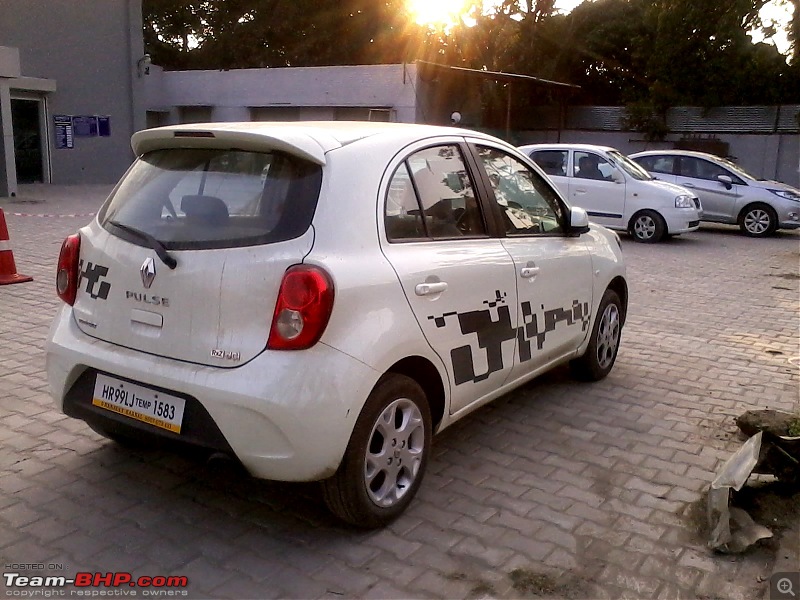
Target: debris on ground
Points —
{"points": [[771, 450]]}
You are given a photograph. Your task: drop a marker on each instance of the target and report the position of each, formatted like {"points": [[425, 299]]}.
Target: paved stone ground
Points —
{"points": [[560, 488]]}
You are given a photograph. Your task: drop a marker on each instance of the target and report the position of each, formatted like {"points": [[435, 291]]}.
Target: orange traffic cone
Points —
{"points": [[8, 270]]}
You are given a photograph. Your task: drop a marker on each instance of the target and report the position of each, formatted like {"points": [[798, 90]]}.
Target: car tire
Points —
{"points": [[372, 485], [647, 227], [758, 220], [601, 354]]}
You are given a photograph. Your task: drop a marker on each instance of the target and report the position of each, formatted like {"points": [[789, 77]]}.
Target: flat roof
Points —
{"points": [[501, 76]]}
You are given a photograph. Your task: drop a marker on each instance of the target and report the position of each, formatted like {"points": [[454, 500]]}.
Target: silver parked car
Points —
{"points": [[729, 194]]}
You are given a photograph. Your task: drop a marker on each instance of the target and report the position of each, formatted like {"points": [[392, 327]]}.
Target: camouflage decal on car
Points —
{"points": [[492, 332], [92, 275]]}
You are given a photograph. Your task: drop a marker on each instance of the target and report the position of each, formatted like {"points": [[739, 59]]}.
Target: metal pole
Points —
{"points": [[508, 112]]}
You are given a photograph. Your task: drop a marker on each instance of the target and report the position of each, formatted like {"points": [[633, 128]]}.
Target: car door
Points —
{"points": [[458, 280], [553, 271], [594, 187], [701, 177]]}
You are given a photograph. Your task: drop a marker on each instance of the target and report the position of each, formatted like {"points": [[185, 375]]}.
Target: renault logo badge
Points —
{"points": [[148, 272]]}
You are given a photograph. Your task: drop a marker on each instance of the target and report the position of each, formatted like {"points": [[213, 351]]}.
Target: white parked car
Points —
{"points": [[616, 192], [317, 299], [729, 194]]}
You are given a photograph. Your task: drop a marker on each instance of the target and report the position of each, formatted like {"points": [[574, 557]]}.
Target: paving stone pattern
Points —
{"points": [[587, 489]]}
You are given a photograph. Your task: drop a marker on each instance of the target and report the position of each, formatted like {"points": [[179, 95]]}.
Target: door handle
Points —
{"points": [[428, 289], [688, 185], [528, 272]]}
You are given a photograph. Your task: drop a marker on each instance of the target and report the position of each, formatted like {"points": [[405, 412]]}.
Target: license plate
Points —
{"points": [[138, 402]]}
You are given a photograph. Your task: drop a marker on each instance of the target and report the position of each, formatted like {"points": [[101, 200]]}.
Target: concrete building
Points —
{"points": [[71, 90]]}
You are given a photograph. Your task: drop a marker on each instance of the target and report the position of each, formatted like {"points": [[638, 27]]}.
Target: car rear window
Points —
{"points": [[214, 198]]}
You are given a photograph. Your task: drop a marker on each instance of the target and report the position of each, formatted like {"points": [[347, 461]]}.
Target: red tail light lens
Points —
{"points": [[304, 306], [67, 273]]}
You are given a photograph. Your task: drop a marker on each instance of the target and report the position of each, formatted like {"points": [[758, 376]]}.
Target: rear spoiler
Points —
{"points": [[258, 137]]}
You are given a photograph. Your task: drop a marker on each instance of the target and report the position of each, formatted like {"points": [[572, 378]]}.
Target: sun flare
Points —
{"points": [[438, 13]]}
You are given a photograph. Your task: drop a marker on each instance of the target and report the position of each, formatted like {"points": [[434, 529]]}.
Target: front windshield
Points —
{"points": [[735, 168], [630, 167]]}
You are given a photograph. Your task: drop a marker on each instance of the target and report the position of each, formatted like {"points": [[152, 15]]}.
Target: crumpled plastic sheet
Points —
{"points": [[732, 529]]}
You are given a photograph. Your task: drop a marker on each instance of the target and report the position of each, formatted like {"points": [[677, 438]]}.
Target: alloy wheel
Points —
{"points": [[394, 452], [757, 221], [608, 336], [644, 227]]}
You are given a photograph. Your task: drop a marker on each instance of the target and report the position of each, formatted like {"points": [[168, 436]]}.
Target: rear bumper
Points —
{"points": [[284, 415]]}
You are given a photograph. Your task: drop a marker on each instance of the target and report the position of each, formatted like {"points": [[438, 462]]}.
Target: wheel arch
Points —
{"points": [[753, 204], [425, 373], [659, 220], [769, 210], [620, 286], [655, 211]]}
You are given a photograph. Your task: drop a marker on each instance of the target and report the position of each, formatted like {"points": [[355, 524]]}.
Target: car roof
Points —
{"points": [[567, 147], [676, 153], [310, 140]]}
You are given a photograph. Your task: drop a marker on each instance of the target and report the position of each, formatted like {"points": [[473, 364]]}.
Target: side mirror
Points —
{"points": [[617, 177], [578, 221], [726, 181]]}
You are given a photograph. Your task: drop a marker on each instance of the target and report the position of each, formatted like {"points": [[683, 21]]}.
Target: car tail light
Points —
{"points": [[304, 305], [67, 272]]}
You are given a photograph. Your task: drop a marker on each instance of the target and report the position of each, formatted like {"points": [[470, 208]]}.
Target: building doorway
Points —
{"points": [[26, 122]]}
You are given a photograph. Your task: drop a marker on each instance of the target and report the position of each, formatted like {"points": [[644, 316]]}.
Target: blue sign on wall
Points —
{"points": [[63, 130], [104, 126], [85, 126]]}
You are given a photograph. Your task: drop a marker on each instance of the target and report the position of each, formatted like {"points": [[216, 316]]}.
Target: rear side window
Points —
{"points": [[552, 162], [431, 196], [206, 198], [658, 164]]}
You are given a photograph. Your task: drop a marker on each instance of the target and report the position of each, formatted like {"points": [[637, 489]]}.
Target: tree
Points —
{"points": [[651, 54]]}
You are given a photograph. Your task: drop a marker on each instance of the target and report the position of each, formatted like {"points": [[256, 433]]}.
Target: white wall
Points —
{"points": [[239, 93]]}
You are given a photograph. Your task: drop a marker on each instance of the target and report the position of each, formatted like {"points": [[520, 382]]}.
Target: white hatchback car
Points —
{"points": [[729, 194], [317, 299], [616, 192]]}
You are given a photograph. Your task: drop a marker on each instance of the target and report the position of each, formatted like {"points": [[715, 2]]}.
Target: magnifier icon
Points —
{"points": [[784, 586]]}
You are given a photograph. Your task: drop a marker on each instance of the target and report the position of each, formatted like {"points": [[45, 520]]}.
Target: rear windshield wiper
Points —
{"points": [[161, 251]]}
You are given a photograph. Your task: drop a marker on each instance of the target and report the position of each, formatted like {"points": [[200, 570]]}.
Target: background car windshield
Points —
{"points": [[204, 198], [631, 168]]}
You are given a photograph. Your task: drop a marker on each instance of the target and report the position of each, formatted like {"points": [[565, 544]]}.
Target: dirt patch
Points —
{"points": [[481, 589], [541, 585], [695, 516], [774, 504]]}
